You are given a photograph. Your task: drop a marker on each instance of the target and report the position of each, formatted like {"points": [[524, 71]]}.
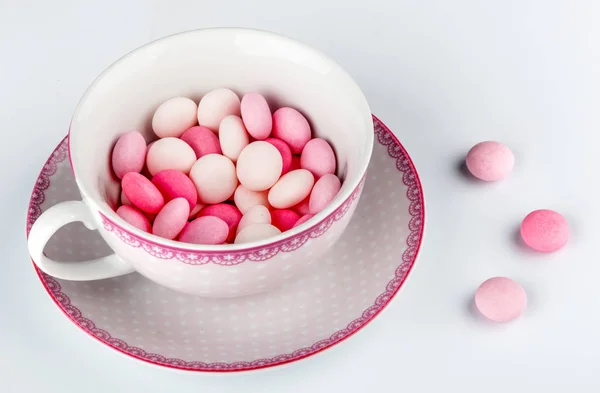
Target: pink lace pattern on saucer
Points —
{"points": [[413, 241]]}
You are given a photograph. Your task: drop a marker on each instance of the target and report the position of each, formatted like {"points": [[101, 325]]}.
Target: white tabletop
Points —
{"points": [[443, 75]]}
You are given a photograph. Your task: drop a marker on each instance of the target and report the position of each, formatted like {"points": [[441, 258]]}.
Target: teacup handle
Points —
{"points": [[52, 220]]}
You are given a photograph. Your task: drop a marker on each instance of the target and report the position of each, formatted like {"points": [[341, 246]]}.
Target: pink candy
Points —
{"points": [[286, 153], [490, 161], [173, 184], [228, 213], [256, 115], [325, 189], [291, 127], [202, 140], [205, 230], [171, 219], [134, 217], [303, 219], [142, 193], [284, 219], [318, 157], [129, 154], [545, 230], [500, 299]]}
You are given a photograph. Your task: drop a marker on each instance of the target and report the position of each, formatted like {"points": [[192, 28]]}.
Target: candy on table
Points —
{"points": [[256, 232], [500, 299], [291, 126], [318, 157], [134, 217], [205, 230], [214, 178], [259, 166], [284, 219], [291, 189], [174, 116], [303, 219], [202, 140], [323, 192], [226, 212], [286, 153], [129, 154], [245, 199], [215, 106], [545, 230], [170, 153], [258, 214], [174, 184], [171, 219], [142, 193], [490, 161], [256, 115], [233, 137]]}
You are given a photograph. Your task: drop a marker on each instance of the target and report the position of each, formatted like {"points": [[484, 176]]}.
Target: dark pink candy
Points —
{"points": [[134, 217], [226, 212], [284, 219], [295, 163], [142, 193], [202, 140], [174, 184], [286, 153], [205, 230]]}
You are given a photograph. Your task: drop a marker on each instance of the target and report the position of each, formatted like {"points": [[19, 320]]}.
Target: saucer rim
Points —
{"points": [[53, 288]]}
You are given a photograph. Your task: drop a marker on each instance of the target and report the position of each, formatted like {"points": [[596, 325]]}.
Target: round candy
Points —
{"points": [[245, 199], [214, 178], [205, 230], [303, 207], [194, 212], [129, 154], [284, 219], [545, 230], [500, 299], [291, 127], [286, 153], [173, 117], [303, 219], [142, 193], [228, 213], [202, 140], [170, 153], [217, 104], [258, 214], [291, 189], [324, 191], [490, 161], [173, 184], [318, 157], [171, 219], [133, 216], [233, 137], [256, 232], [256, 115], [259, 166]]}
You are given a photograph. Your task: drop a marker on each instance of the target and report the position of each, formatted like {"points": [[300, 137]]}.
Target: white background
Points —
{"points": [[443, 75]]}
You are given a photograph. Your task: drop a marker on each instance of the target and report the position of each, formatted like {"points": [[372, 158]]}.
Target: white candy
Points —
{"points": [[214, 178], [258, 214], [170, 153], [259, 166], [291, 189], [256, 232], [233, 137], [215, 106], [174, 116], [245, 199]]}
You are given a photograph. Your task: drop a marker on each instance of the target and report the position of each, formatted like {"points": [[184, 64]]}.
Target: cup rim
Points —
{"points": [[330, 210]]}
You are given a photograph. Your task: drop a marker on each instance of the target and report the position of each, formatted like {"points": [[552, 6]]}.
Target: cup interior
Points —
{"points": [[190, 64]]}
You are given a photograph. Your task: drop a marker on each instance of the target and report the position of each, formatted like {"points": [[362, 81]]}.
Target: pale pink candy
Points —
{"points": [[173, 184], [324, 191], [318, 157], [171, 219], [545, 230], [258, 214], [284, 219], [490, 161], [291, 189], [142, 193], [256, 115], [259, 166], [174, 116], [302, 207], [214, 178], [202, 140], [215, 106], [286, 153], [170, 153], [194, 212], [133, 216], [303, 219], [245, 199], [205, 230], [295, 163], [226, 212], [124, 199], [500, 299], [233, 137], [128, 154], [256, 232], [291, 126]]}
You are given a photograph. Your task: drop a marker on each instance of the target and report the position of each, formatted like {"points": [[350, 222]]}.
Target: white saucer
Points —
{"points": [[359, 276]]}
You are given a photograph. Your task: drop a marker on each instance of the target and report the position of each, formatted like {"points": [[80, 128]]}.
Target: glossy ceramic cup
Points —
{"points": [[190, 64]]}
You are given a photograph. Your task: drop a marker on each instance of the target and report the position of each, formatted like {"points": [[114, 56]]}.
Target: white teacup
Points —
{"points": [[190, 64]]}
